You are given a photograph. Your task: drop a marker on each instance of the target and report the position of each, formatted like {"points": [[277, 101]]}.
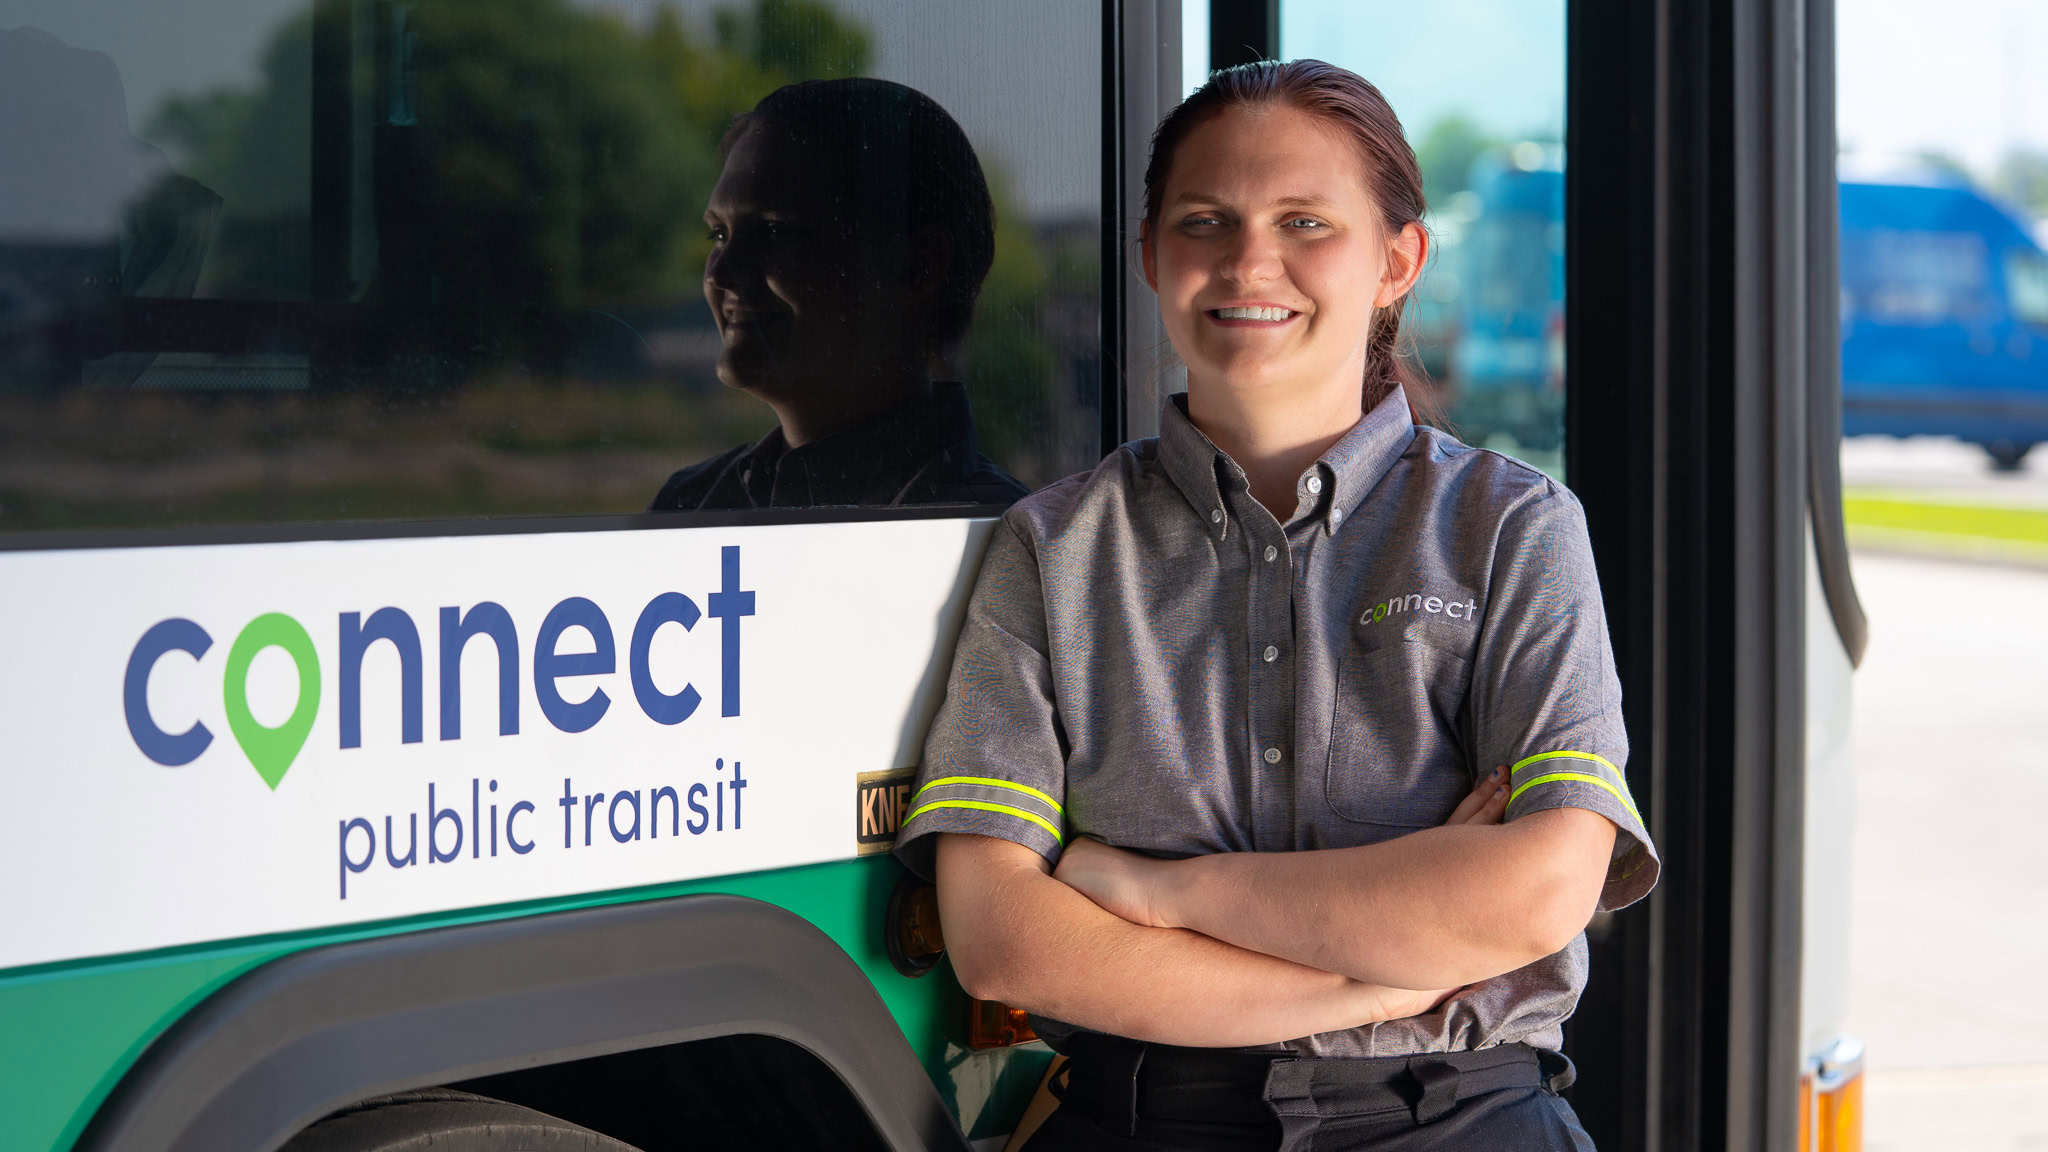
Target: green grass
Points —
{"points": [[1971, 521]]}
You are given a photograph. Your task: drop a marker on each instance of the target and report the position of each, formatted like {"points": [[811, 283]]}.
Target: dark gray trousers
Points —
{"points": [[1126, 1096]]}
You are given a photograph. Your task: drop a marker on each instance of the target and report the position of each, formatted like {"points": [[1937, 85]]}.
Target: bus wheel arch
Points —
{"points": [[317, 1032]]}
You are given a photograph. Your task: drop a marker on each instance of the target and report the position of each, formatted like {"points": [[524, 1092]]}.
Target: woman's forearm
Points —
{"points": [[1440, 907], [1017, 935]]}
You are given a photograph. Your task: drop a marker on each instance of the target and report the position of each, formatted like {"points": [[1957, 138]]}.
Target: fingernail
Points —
{"points": [[1499, 790], [1495, 776]]}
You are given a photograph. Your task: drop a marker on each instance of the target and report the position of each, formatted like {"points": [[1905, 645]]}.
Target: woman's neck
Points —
{"points": [[1271, 438]]}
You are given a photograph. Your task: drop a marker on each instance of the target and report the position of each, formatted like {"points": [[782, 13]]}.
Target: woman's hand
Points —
{"points": [[1124, 883], [1485, 803]]}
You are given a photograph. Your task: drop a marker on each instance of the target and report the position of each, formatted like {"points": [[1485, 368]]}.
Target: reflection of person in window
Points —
{"points": [[850, 232]]}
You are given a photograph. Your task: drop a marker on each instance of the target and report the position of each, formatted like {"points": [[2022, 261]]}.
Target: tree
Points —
{"points": [[1446, 154], [2022, 177]]}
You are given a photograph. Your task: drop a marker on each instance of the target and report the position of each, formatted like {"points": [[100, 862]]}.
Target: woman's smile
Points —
{"points": [[1252, 315]]}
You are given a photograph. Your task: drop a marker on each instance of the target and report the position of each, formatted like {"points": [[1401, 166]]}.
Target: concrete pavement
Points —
{"points": [[1949, 920]]}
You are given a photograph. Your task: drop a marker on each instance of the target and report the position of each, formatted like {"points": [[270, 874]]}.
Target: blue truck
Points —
{"points": [[1944, 316], [1944, 296]]}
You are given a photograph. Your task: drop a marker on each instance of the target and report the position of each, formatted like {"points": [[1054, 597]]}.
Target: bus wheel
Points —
{"points": [[2006, 455], [441, 1120]]}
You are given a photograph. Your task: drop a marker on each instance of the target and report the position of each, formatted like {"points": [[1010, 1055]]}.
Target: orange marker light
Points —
{"points": [[991, 1024], [1831, 1099]]}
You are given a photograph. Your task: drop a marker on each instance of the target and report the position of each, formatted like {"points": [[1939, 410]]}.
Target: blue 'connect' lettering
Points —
{"points": [[457, 627], [177, 635], [661, 707], [356, 637], [550, 665], [729, 604]]}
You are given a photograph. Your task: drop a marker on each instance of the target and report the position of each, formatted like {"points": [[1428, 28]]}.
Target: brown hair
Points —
{"points": [[1347, 101]]}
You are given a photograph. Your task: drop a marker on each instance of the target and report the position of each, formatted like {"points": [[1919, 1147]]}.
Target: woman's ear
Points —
{"points": [[1407, 253], [1147, 256]]}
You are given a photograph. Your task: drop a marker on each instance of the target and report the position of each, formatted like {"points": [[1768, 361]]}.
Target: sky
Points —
{"points": [[1500, 62], [1968, 78]]}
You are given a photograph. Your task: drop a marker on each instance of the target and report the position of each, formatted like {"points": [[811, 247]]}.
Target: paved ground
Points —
{"points": [[1949, 924], [1940, 467]]}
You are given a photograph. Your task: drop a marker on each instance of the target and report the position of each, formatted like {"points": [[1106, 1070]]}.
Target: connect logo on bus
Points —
{"points": [[272, 749]]}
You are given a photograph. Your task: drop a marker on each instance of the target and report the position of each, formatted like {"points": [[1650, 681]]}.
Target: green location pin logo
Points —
{"points": [[272, 750]]}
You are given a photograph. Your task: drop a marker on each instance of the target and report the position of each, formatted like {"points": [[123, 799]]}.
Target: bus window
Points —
{"points": [[398, 259], [1479, 87]]}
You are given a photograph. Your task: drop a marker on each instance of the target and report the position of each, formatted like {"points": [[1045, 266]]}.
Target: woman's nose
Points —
{"points": [[731, 264], [1250, 257]]}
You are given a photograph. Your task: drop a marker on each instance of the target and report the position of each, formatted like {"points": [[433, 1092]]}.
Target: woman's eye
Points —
{"points": [[1199, 222], [1305, 224], [715, 234]]}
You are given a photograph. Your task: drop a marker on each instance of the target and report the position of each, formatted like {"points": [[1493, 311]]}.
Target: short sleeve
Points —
{"points": [[994, 763], [1545, 697]]}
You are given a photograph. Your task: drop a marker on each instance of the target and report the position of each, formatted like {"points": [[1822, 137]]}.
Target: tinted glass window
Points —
{"points": [[271, 260], [1479, 87], [2026, 275]]}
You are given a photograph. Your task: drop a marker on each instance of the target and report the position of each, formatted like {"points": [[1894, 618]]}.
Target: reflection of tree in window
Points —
{"points": [[454, 269]]}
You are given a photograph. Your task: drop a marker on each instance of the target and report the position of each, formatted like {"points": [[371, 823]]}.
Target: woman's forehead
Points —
{"points": [[1274, 155]]}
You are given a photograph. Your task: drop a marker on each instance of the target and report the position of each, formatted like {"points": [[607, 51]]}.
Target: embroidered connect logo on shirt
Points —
{"points": [[1417, 602]]}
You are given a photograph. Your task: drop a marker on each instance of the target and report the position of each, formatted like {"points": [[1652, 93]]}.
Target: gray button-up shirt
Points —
{"points": [[1151, 659]]}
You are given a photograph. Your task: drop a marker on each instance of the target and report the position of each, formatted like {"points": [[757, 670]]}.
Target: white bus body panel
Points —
{"points": [[840, 665]]}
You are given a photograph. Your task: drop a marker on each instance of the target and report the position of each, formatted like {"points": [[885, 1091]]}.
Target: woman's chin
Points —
{"points": [[1250, 374]]}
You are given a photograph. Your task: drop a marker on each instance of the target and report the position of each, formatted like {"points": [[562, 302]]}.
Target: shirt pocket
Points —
{"points": [[1397, 755]]}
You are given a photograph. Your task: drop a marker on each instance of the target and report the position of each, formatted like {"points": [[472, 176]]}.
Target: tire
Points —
{"points": [[441, 1120], [2006, 455]]}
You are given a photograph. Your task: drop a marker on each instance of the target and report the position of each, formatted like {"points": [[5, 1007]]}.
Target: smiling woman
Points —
{"points": [[1256, 827]]}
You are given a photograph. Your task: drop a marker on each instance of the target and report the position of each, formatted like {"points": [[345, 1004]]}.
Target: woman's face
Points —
{"points": [[1269, 256]]}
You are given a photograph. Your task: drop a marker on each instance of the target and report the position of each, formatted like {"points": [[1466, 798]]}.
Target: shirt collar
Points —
{"points": [[1343, 474], [864, 464]]}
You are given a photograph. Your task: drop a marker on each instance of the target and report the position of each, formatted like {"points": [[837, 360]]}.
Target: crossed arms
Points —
{"points": [[1250, 948]]}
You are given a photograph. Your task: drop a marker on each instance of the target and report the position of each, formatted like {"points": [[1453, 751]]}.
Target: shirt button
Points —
{"points": [[1216, 516], [1271, 552], [1315, 484], [1335, 515], [1272, 653], [1272, 755]]}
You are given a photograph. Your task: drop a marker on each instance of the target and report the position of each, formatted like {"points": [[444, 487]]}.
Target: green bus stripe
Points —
{"points": [[983, 806], [1540, 756], [987, 782], [1585, 776]]}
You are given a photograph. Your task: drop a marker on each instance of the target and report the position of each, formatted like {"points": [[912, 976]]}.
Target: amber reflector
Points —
{"points": [[991, 1024], [1841, 1117]]}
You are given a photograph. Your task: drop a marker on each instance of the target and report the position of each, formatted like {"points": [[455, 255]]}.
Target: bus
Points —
{"points": [[378, 768]]}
